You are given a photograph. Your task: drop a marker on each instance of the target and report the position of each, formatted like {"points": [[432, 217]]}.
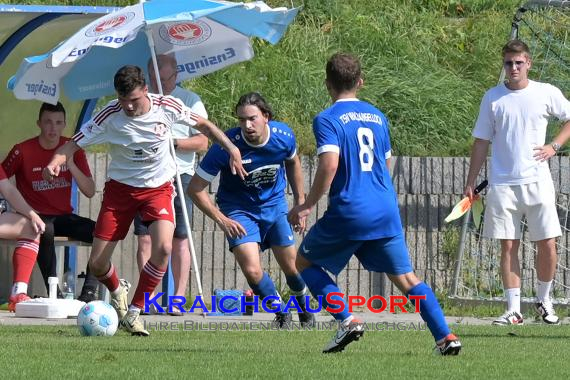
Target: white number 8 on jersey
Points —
{"points": [[366, 153]]}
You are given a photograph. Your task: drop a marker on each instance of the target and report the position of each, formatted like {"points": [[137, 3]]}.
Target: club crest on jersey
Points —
{"points": [[185, 33], [110, 24], [160, 129]]}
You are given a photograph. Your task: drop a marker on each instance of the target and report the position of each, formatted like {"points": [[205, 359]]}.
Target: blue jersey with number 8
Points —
{"points": [[362, 201]]}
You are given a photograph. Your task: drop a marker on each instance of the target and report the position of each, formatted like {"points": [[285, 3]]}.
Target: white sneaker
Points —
{"points": [[344, 336], [509, 318], [450, 346], [119, 300], [547, 313], [132, 323]]}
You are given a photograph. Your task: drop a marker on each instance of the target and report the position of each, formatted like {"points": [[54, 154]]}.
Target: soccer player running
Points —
{"points": [[24, 226], [53, 200], [187, 141], [362, 219], [253, 212], [137, 128], [513, 117]]}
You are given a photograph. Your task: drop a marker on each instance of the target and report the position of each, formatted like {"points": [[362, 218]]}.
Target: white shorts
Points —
{"points": [[508, 204]]}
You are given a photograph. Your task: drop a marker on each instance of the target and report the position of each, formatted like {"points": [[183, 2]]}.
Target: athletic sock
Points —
{"points": [[430, 311], [110, 279], [150, 277], [513, 299], [543, 290], [23, 261], [321, 284], [266, 288], [19, 287], [298, 288]]}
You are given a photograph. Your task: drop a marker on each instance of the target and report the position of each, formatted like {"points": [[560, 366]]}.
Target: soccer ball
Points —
{"points": [[97, 318]]}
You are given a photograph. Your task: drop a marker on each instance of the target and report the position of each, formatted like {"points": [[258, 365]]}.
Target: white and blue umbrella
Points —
{"points": [[204, 36]]}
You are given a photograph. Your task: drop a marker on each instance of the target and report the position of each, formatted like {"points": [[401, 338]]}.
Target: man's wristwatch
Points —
{"points": [[555, 146]]}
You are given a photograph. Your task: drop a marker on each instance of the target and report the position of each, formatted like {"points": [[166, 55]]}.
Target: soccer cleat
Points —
{"points": [[119, 299], [282, 320], [450, 346], [547, 313], [13, 300], [307, 319], [344, 336], [87, 295], [133, 324], [509, 318]]}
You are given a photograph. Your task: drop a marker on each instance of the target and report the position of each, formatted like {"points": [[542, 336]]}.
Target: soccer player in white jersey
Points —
{"points": [[362, 219], [137, 128], [513, 117], [187, 141], [253, 213]]}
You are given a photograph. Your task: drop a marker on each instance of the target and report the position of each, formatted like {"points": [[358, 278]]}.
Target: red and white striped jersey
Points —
{"points": [[139, 149]]}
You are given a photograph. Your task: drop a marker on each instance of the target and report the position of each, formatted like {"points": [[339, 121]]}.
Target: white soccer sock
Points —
{"points": [[543, 290], [135, 309], [19, 287], [513, 299]]}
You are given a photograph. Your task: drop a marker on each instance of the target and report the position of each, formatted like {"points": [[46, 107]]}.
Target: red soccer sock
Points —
{"points": [[24, 258], [110, 279], [150, 277]]}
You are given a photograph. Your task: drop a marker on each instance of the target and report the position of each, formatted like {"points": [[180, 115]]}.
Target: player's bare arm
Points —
{"points": [[295, 178], [197, 191], [19, 204], [85, 184], [478, 157], [543, 153], [195, 143], [214, 133], [59, 158], [326, 170]]}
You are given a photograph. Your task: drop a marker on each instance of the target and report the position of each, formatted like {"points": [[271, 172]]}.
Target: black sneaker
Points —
{"points": [[88, 295], [282, 320], [305, 318]]}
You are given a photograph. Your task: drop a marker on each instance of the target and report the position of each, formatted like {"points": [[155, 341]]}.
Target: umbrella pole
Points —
{"points": [[178, 181]]}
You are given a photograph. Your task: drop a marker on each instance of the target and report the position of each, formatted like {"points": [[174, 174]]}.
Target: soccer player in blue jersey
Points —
{"points": [[253, 212], [362, 219]]}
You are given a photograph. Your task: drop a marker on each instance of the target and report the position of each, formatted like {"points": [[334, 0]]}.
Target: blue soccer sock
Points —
{"points": [[266, 288], [430, 311], [298, 288], [321, 284]]}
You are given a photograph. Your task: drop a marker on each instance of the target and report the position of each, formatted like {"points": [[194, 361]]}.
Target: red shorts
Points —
{"points": [[121, 203]]}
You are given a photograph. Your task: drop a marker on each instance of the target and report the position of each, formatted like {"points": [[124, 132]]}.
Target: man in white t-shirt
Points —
{"points": [[513, 117], [137, 128], [187, 141]]}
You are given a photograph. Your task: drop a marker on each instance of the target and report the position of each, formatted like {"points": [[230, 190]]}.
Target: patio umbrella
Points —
{"points": [[203, 35]]}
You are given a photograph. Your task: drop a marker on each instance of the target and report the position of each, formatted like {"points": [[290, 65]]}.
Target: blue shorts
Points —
{"points": [[180, 230], [269, 227], [387, 255]]}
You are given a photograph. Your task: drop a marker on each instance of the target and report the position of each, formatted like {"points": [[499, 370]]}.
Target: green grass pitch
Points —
{"points": [[41, 352]]}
